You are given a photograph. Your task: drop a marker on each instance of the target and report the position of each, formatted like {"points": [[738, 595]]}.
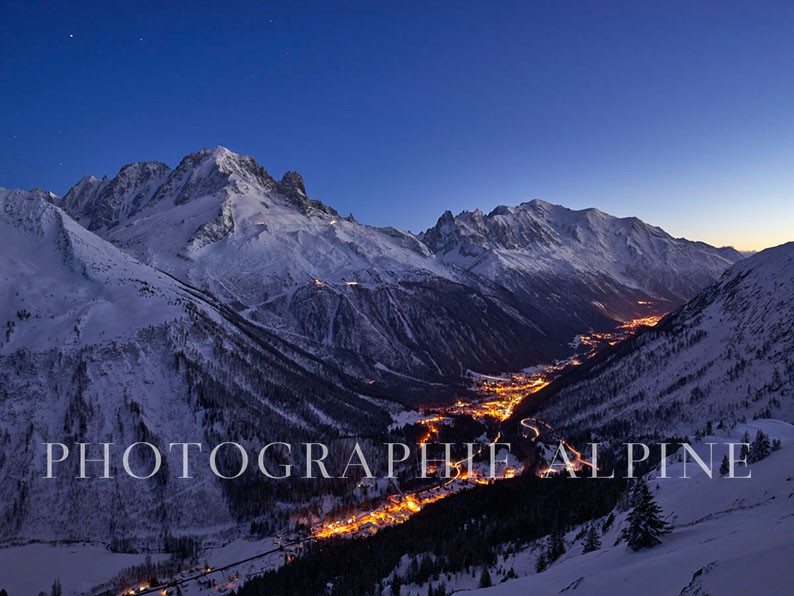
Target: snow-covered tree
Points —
{"points": [[645, 523]]}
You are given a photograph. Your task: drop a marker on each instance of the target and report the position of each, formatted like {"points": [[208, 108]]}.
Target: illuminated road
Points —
{"points": [[534, 425], [501, 395]]}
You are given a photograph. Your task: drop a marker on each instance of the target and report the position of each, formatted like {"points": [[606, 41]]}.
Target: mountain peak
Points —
{"points": [[292, 186], [444, 234], [105, 203], [226, 161], [540, 204], [211, 170], [219, 151], [137, 168], [235, 166], [500, 210]]}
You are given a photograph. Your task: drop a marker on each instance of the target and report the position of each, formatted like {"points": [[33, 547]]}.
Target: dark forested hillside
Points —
{"points": [[462, 532]]}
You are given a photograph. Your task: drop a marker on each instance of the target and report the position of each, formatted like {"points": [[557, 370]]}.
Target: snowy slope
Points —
{"points": [[99, 347], [730, 536], [75, 288], [727, 354], [382, 303]]}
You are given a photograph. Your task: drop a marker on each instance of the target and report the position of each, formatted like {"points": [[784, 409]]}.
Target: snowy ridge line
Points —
{"points": [[220, 222]]}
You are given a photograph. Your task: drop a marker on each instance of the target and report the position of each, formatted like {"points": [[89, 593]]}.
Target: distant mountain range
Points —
{"points": [[485, 292]]}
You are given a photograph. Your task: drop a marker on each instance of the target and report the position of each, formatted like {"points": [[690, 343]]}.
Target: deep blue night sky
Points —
{"points": [[680, 112]]}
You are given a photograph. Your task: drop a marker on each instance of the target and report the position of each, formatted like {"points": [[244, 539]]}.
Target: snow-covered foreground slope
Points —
{"points": [[384, 303], [727, 354], [730, 536], [97, 347]]}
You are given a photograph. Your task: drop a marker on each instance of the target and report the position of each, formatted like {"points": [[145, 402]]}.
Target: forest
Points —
{"points": [[464, 532]]}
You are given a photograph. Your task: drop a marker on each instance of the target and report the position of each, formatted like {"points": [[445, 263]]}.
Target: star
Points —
{"points": [[71, 36]]}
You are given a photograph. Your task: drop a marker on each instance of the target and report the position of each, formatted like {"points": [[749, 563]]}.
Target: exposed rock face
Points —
{"points": [[291, 186], [107, 203]]}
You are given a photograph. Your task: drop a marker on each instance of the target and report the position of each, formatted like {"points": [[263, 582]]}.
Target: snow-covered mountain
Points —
{"points": [[372, 299], [727, 354], [97, 346], [382, 303], [585, 259], [212, 302]]}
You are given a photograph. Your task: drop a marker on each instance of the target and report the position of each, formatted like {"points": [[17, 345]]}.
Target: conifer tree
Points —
{"points": [[556, 546], [396, 585], [645, 523], [725, 466], [592, 540], [760, 448], [542, 563], [745, 453], [485, 578]]}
